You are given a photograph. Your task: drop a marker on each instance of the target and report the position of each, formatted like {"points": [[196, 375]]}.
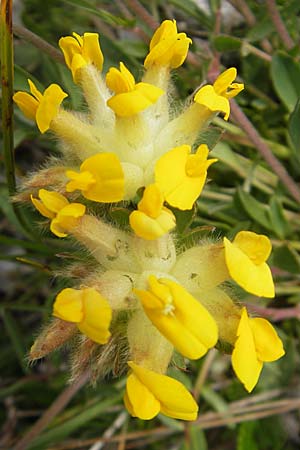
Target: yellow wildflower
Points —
{"points": [[88, 309], [130, 98], [215, 97], [179, 317], [79, 51], [245, 259], [167, 46], [42, 108], [149, 393], [257, 342], [152, 219], [64, 215], [101, 178], [181, 175]]}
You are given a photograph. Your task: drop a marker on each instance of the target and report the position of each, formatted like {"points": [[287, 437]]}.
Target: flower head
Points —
{"points": [[79, 51], [245, 259], [215, 97], [88, 309], [257, 342], [152, 219], [167, 46], [148, 393], [64, 215], [130, 98], [42, 108], [181, 175], [101, 178], [179, 317]]}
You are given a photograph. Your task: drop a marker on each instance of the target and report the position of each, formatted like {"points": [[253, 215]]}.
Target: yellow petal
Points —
{"points": [[53, 200], [150, 229], [67, 219], [143, 404], [149, 91], [268, 345], [49, 106], [34, 91], [152, 201], [120, 81], [91, 50], [208, 97], [245, 362], [107, 171], [42, 208], [68, 305], [180, 318], [175, 401], [224, 80], [27, 104], [70, 47], [257, 247], [167, 47], [256, 279], [129, 103], [97, 316], [81, 181]]}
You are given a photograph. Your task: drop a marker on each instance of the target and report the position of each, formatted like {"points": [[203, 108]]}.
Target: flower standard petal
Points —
{"points": [[179, 317], [27, 104], [101, 178], [268, 345], [244, 258], [54, 201], [49, 106], [208, 97]]}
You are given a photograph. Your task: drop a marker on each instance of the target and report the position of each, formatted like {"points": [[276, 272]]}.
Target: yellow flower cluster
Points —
{"points": [[143, 290]]}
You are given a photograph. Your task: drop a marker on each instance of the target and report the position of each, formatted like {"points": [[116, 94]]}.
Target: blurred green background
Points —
{"points": [[249, 189]]}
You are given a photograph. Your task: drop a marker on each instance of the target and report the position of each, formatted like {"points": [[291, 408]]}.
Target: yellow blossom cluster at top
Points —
{"points": [[132, 151]]}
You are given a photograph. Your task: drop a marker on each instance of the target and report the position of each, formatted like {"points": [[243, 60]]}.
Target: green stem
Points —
{"points": [[7, 92]]}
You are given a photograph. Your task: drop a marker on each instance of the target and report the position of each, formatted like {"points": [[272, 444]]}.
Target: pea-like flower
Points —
{"points": [[80, 51], [215, 97], [167, 46], [42, 108], [149, 393], [130, 98], [179, 317], [246, 260], [101, 178], [181, 175], [88, 309], [152, 219], [257, 342], [64, 215]]}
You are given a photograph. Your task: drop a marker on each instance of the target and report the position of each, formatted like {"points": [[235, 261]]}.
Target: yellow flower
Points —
{"points": [[80, 51], [181, 175], [88, 309], [42, 108], [257, 342], [215, 97], [130, 98], [245, 259], [64, 215], [149, 393], [101, 178], [179, 317], [152, 219], [167, 47]]}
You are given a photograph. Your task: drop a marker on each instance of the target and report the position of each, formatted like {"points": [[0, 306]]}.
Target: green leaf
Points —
{"points": [[285, 74], [224, 43], [278, 220], [16, 338], [106, 16], [286, 258], [196, 439], [256, 210], [260, 30], [184, 218], [246, 439], [294, 129], [210, 136]]}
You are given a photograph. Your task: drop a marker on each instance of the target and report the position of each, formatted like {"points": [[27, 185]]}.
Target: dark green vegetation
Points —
{"points": [[254, 186]]}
